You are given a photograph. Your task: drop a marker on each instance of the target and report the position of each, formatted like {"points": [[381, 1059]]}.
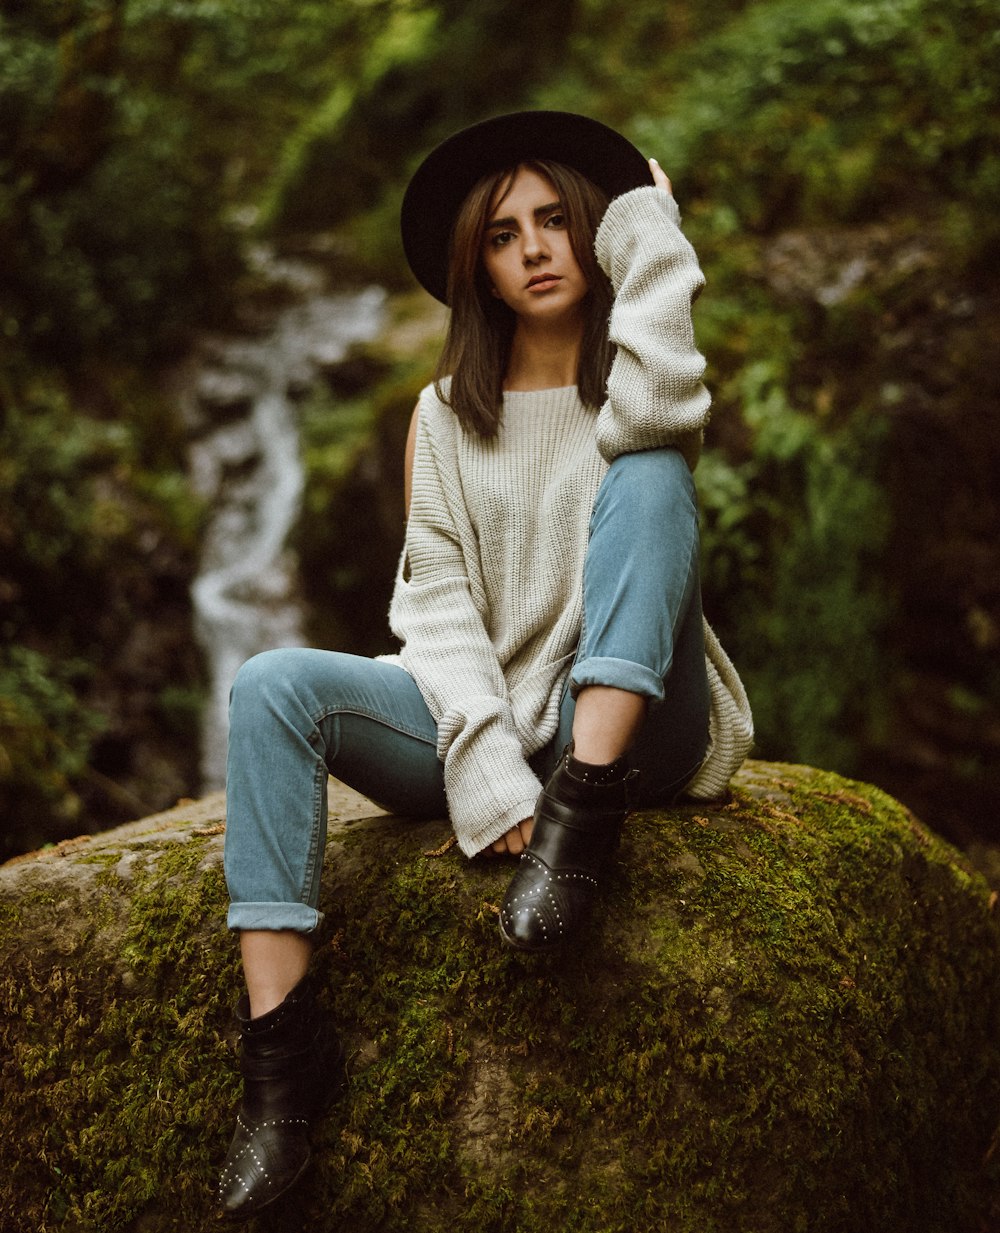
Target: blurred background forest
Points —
{"points": [[838, 167]]}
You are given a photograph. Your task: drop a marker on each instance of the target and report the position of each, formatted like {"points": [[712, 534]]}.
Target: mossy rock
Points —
{"points": [[787, 1020]]}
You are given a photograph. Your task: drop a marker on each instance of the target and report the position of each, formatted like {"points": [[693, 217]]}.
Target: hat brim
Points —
{"points": [[445, 177]]}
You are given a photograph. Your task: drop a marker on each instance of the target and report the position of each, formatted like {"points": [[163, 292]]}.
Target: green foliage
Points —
{"points": [[55, 518], [796, 521], [796, 532], [105, 211], [430, 68], [621, 54], [96, 522], [837, 111], [128, 131], [138, 137], [404, 39], [73, 494], [813, 118], [46, 737], [351, 531]]}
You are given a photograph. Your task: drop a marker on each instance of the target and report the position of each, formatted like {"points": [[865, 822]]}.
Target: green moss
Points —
{"points": [[784, 1015], [785, 1020], [114, 1061]]}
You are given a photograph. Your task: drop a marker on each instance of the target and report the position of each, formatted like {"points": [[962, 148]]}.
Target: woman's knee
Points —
{"points": [[654, 475], [273, 681], [648, 492], [261, 672]]}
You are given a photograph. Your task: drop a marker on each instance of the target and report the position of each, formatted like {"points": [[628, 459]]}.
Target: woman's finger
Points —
{"points": [[660, 177], [515, 840]]}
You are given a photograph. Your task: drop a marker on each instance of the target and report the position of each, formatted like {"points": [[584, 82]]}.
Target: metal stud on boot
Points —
{"points": [[578, 821], [293, 1066]]}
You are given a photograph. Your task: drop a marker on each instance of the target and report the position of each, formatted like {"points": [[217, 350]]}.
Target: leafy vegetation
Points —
{"points": [[97, 538], [47, 738], [836, 164], [838, 168]]}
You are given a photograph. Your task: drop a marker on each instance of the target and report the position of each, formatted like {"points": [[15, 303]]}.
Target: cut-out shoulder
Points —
{"points": [[411, 440]]}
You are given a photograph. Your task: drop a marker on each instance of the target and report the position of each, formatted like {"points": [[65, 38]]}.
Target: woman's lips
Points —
{"points": [[541, 281]]}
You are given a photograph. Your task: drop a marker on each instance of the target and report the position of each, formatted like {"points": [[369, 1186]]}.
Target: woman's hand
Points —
{"points": [[660, 178], [516, 839]]}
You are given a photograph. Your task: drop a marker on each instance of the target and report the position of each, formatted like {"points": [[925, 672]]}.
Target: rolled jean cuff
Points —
{"points": [[296, 916], [616, 674]]}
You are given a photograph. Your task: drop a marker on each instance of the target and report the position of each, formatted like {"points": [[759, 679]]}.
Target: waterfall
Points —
{"points": [[239, 401]]}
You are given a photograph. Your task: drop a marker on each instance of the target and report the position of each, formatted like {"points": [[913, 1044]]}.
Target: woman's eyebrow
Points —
{"points": [[512, 222]]}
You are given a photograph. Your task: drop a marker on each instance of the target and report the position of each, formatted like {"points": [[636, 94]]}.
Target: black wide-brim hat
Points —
{"points": [[445, 177]]}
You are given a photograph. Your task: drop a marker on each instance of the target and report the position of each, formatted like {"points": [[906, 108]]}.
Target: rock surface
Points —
{"points": [[787, 1020]]}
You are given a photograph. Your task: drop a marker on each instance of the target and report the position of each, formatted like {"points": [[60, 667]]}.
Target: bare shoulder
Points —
{"points": [[411, 445]]}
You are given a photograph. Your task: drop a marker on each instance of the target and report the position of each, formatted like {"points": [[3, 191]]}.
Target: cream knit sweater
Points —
{"points": [[488, 598]]}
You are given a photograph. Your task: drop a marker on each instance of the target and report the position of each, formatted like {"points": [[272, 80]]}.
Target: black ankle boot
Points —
{"points": [[578, 821], [293, 1066]]}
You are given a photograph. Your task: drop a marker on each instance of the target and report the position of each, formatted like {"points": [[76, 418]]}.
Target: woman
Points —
{"points": [[547, 603]]}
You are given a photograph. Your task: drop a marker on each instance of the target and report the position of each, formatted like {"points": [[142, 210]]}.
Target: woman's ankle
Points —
{"points": [[605, 723], [597, 773], [274, 962]]}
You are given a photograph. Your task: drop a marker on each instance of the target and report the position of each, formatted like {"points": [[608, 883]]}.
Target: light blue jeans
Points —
{"points": [[299, 714]]}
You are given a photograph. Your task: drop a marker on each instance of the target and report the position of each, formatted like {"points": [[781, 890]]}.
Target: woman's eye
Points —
{"points": [[556, 220], [500, 239]]}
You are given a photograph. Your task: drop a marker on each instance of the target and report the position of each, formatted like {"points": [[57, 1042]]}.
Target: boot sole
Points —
{"points": [[524, 949], [234, 1218]]}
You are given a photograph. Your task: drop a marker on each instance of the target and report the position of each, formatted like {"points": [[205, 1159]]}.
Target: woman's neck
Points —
{"points": [[544, 359]]}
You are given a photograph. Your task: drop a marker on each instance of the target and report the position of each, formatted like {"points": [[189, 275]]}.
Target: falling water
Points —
{"points": [[247, 467]]}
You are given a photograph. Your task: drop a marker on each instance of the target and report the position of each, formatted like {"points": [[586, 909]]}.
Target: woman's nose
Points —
{"points": [[533, 245]]}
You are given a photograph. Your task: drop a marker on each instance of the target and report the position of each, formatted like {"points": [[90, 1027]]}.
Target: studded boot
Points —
{"points": [[578, 821], [293, 1066]]}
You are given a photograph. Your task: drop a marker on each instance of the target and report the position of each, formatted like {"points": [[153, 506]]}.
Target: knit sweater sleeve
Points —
{"points": [[438, 612], [655, 392]]}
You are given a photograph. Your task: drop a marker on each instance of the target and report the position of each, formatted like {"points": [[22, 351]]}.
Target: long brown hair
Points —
{"points": [[481, 327]]}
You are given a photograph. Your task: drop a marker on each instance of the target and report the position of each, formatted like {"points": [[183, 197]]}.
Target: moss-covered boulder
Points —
{"points": [[788, 1021]]}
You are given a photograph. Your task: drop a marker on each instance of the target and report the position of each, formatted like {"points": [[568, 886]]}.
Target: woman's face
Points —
{"points": [[527, 253]]}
